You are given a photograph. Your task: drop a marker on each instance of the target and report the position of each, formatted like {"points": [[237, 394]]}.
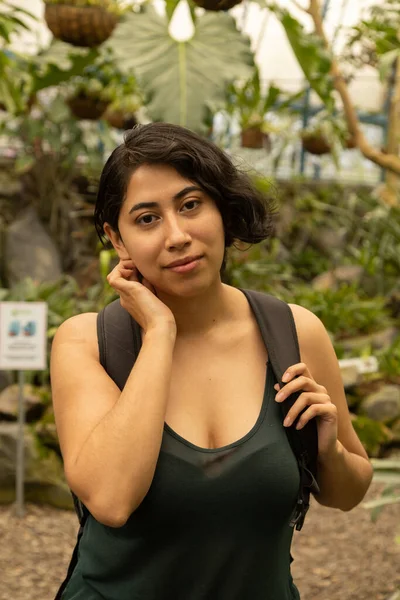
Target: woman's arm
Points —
{"points": [[110, 440], [345, 473]]}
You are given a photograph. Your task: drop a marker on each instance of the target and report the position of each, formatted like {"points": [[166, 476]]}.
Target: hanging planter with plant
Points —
{"points": [[249, 104], [127, 99], [82, 22], [217, 5], [327, 134], [315, 143], [90, 94]]}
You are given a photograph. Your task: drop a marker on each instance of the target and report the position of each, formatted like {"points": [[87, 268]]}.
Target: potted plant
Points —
{"points": [[250, 104], [89, 94], [326, 134], [127, 99], [82, 22]]}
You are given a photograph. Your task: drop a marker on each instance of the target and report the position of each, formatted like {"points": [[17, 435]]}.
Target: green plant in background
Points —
{"points": [[372, 434], [176, 76], [344, 311], [388, 472], [389, 361], [374, 41], [14, 83], [326, 133], [250, 102], [98, 79]]}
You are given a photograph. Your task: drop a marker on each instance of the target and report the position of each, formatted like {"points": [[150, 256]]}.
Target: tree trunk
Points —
{"points": [[391, 162]]}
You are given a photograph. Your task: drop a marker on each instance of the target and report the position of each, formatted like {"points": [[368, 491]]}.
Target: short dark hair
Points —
{"points": [[246, 212]]}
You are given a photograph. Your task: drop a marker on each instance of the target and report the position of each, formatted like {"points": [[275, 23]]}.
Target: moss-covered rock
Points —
{"points": [[44, 474]]}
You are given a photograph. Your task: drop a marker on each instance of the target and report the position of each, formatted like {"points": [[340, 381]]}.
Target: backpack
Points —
{"points": [[119, 345]]}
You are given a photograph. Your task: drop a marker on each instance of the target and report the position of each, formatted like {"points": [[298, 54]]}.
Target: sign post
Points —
{"points": [[23, 327]]}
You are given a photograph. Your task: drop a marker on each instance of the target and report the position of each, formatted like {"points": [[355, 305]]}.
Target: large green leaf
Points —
{"points": [[313, 58], [181, 78]]}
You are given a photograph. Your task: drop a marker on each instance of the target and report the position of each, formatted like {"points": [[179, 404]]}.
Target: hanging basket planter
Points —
{"points": [[316, 144], [253, 137], [120, 120], [217, 5], [87, 26], [87, 107]]}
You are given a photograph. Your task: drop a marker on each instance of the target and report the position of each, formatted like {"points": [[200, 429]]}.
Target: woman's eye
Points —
{"points": [[191, 204], [146, 220]]}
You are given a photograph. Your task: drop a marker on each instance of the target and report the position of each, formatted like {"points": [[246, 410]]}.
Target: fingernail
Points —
{"points": [[279, 397], [287, 422], [286, 377]]}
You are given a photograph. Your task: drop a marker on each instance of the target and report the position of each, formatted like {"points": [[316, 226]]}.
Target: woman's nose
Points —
{"points": [[176, 234]]}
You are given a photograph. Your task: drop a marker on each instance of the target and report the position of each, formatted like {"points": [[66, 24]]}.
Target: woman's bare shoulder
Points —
{"points": [[80, 328]]}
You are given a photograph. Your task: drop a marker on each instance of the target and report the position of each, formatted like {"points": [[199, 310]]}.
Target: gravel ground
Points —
{"points": [[338, 556]]}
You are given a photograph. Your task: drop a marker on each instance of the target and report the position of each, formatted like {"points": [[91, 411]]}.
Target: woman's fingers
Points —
{"points": [[304, 400], [326, 412]]}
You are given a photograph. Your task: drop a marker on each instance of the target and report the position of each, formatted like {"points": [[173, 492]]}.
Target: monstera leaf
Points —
{"points": [[181, 78]]}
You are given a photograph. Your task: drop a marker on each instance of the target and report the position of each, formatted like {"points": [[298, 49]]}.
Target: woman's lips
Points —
{"points": [[187, 267]]}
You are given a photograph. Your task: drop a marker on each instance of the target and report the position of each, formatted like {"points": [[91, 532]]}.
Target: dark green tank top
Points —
{"points": [[214, 524]]}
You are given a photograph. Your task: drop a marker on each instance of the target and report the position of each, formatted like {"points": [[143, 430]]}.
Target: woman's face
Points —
{"points": [[166, 218]]}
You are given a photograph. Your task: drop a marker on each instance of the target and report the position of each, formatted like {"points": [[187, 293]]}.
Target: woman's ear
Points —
{"points": [[117, 242]]}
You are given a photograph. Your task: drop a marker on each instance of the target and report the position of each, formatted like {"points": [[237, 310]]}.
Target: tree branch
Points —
{"points": [[386, 161], [299, 7]]}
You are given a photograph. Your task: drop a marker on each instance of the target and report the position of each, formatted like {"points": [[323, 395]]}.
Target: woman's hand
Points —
{"points": [[139, 297], [299, 379]]}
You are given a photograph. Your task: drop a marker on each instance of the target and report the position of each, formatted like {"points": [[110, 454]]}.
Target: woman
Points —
{"points": [[209, 519]]}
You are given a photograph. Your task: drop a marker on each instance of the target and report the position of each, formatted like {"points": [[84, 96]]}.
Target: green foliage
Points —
{"points": [[11, 21], [176, 76], [250, 102], [388, 472], [58, 63], [389, 360], [371, 433], [313, 58], [14, 86], [344, 311], [374, 40], [53, 132]]}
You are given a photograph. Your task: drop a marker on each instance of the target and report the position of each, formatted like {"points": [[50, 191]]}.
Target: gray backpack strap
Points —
{"points": [[278, 330], [119, 342]]}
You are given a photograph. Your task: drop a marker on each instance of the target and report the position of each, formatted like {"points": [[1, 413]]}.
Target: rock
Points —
{"points": [[350, 376], [383, 405], [44, 475], [377, 341], [47, 433], [34, 407], [345, 273], [328, 239], [30, 252], [6, 379]]}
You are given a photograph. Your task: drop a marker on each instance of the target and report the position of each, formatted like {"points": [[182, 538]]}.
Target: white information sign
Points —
{"points": [[23, 329]]}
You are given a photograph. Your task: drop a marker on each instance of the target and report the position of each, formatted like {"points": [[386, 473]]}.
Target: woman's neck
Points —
{"points": [[199, 314]]}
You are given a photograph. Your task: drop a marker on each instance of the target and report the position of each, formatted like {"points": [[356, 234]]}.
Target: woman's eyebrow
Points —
{"points": [[177, 196]]}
